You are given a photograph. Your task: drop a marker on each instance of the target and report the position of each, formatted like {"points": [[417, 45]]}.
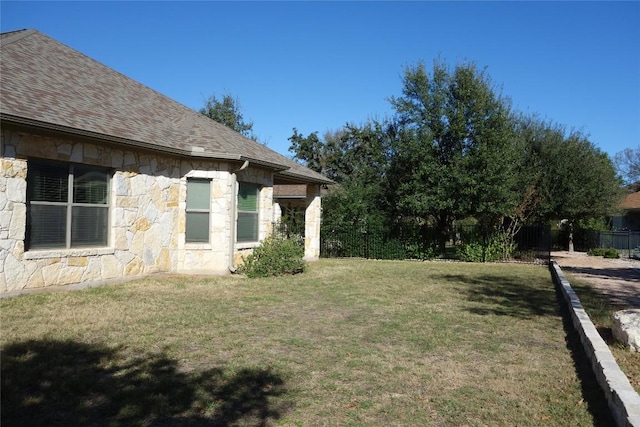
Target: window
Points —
{"points": [[68, 205], [198, 205], [247, 230]]}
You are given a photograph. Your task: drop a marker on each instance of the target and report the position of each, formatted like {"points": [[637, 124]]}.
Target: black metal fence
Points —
{"points": [[626, 242], [469, 243]]}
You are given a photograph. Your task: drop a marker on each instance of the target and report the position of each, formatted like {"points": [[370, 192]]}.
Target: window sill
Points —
{"points": [[67, 253], [198, 246], [246, 245]]}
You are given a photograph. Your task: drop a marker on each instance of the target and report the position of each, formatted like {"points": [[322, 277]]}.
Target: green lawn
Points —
{"points": [[350, 342]]}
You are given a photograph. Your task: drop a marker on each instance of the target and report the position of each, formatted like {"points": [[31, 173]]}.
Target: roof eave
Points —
{"points": [[26, 123]]}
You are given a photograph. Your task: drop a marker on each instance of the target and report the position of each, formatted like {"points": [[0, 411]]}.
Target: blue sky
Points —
{"points": [[318, 65]]}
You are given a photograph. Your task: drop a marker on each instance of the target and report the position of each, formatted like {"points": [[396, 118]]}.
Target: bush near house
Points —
{"points": [[275, 256]]}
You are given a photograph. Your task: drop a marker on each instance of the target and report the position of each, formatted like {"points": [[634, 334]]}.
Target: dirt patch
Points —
{"points": [[618, 279]]}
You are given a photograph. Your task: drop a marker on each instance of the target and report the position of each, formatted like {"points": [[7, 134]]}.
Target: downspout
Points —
{"points": [[233, 210]]}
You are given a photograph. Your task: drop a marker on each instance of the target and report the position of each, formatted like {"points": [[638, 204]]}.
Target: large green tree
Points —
{"points": [[228, 112], [452, 156], [569, 177], [356, 158]]}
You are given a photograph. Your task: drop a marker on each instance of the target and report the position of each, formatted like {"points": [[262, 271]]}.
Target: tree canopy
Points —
{"points": [[452, 157], [628, 164], [454, 149], [228, 112]]}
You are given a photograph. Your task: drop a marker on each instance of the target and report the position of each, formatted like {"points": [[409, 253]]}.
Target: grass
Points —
{"points": [[350, 342], [600, 309]]}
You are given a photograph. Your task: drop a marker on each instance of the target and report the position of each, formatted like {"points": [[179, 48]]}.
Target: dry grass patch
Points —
{"points": [[601, 309], [350, 342]]}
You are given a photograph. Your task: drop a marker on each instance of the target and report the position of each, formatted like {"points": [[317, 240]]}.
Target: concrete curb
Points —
{"points": [[622, 399]]}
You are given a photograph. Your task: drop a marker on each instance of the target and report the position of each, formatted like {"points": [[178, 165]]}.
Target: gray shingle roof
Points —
{"points": [[47, 84]]}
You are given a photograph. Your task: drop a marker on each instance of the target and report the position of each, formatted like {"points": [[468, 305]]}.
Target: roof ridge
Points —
{"points": [[13, 36], [87, 97]]}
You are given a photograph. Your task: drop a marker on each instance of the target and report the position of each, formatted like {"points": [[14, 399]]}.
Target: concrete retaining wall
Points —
{"points": [[623, 400]]}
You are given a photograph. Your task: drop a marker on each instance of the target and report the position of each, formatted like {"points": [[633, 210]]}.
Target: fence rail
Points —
{"points": [[623, 241], [530, 244]]}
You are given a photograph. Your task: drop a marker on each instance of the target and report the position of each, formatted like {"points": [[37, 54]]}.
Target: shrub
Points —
{"points": [[498, 247], [275, 256], [604, 252]]}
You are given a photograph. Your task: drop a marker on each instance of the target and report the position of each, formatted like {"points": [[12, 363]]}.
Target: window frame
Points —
{"points": [[199, 210], [73, 215], [255, 214]]}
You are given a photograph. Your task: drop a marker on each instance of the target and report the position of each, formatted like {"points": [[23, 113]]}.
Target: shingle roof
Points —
{"points": [[46, 84], [632, 201]]}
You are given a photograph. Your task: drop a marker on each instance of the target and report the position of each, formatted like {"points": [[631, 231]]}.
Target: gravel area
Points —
{"points": [[619, 279]]}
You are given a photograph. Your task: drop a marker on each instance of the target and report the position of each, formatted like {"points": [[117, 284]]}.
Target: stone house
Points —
{"points": [[102, 177]]}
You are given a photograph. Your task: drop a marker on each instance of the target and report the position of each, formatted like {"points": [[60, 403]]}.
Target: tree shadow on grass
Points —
{"points": [[63, 383], [504, 296]]}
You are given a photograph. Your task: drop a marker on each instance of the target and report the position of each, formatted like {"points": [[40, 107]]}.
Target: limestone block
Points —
{"points": [[93, 271], [626, 328], [91, 151], [124, 257], [151, 213], [77, 153], [120, 241], [18, 225], [155, 194], [16, 273], [117, 157], [36, 280], [71, 275], [135, 267], [163, 261], [111, 267], [5, 220], [3, 195], [166, 229], [127, 202], [121, 185], [130, 216], [39, 147], [50, 273], [17, 190], [118, 218], [129, 159], [142, 224], [147, 256], [7, 168], [77, 261], [137, 243], [64, 149]]}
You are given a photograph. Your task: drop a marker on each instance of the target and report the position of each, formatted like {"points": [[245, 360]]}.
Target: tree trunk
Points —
{"points": [[571, 236]]}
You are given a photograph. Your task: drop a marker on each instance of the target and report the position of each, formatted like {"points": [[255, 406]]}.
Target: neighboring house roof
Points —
{"points": [[631, 202], [45, 84]]}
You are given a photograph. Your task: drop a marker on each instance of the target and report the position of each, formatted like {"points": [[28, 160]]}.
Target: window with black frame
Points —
{"points": [[68, 205]]}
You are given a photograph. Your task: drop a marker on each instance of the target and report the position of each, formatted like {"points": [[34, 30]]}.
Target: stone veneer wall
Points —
{"points": [[145, 192], [312, 216], [148, 202], [147, 213]]}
